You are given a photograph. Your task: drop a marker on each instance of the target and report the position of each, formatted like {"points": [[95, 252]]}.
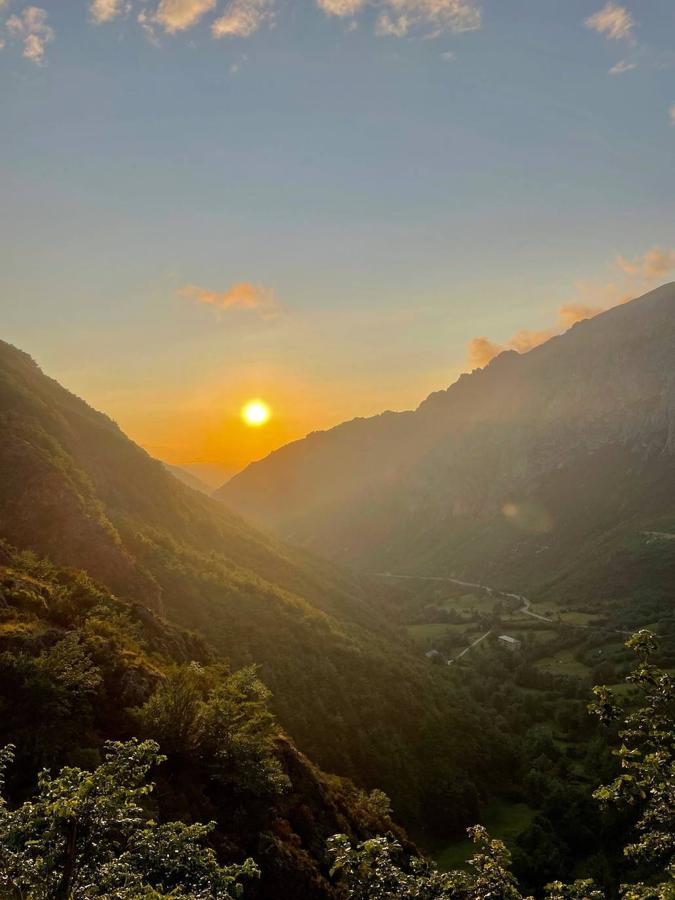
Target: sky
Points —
{"points": [[335, 206]]}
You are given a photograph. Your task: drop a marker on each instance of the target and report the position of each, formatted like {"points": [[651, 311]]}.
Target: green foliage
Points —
{"points": [[88, 834], [379, 869], [646, 782], [222, 720]]}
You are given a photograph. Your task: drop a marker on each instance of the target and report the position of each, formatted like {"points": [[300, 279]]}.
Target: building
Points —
{"points": [[511, 643]]}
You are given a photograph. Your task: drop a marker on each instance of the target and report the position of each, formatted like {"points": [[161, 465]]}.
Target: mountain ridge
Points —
{"points": [[476, 483]]}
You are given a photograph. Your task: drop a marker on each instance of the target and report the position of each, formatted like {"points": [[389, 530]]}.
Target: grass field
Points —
{"points": [[481, 601], [423, 634], [564, 663], [573, 617], [502, 819]]}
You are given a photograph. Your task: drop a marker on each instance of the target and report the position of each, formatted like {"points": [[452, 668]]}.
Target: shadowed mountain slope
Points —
{"points": [[510, 475], [78, 666]]}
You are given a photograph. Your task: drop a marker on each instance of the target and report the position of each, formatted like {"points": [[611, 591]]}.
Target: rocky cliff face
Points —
{"points": [[514, 465]]}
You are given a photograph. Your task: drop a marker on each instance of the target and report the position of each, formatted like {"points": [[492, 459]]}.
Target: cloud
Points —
{"points": [[179, 15], [242, 18], [397, 18], [525, 340], [635, 277], [388, 27], [435, 17], [340, 8], [106, 10], [671, 113], [243, 295], [612, 21], [570, 313], [622, 66], [652, 265], [481, 350], [32, 28]]}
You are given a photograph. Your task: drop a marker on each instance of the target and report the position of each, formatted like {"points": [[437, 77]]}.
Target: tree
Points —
{"points": [[222, 720], [646, 782], [87, 835], [379, 869]]}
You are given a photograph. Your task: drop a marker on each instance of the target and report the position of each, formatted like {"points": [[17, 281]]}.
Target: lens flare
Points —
{"points": [[256, 413]]}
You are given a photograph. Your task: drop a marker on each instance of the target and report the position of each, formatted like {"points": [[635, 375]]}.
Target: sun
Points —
{"points": [[256, 413]]}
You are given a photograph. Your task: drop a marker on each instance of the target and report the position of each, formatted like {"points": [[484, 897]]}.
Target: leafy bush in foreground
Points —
{"points": [[87, 834]]}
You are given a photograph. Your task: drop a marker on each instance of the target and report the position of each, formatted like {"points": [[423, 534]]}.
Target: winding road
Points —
{"points": [[524, 609]]}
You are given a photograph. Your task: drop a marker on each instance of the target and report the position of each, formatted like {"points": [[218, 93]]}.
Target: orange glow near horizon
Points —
{"points": [[256, 413]]}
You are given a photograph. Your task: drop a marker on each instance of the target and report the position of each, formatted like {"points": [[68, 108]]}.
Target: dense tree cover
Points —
{"points": [[79, 667], [346, 685], [379, 869], [89, 834]]}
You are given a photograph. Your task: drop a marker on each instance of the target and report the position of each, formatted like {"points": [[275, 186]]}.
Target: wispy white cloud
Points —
{"points": [[622, 66], [612, 21], [629, 278], [244, 295], [242, 18], [106, 10], [31, 27]]}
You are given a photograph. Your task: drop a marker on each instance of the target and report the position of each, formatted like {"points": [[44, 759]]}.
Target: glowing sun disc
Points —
{"points": [[256, 413]]}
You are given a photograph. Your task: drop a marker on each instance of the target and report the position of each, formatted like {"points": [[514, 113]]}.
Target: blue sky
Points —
{"points": [[313, 209]]}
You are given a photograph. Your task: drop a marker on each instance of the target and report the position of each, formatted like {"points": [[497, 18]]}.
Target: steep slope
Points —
{"points": [[188, 478], [77, 665], [347, 684], [509, 475]]}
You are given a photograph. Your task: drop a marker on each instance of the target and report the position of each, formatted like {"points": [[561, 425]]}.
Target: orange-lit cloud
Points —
{"points": [[244, 295], [340, 8], [637, 276], [242, 18], [569, 313], [612, 21], [106, 10], [481, 351], [400, 17], [653, 264], [32, 28], [179, 15]]}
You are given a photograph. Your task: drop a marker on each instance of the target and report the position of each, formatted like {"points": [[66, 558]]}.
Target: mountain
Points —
{"points": [[347, 683], [188, 478], [548, 471], [79, 666]]}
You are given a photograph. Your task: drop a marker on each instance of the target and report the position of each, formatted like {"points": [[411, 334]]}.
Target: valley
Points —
{"points": [[529, 600]]}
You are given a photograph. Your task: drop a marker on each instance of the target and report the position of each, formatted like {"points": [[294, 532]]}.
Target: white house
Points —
{"points": [[509, 642]]}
